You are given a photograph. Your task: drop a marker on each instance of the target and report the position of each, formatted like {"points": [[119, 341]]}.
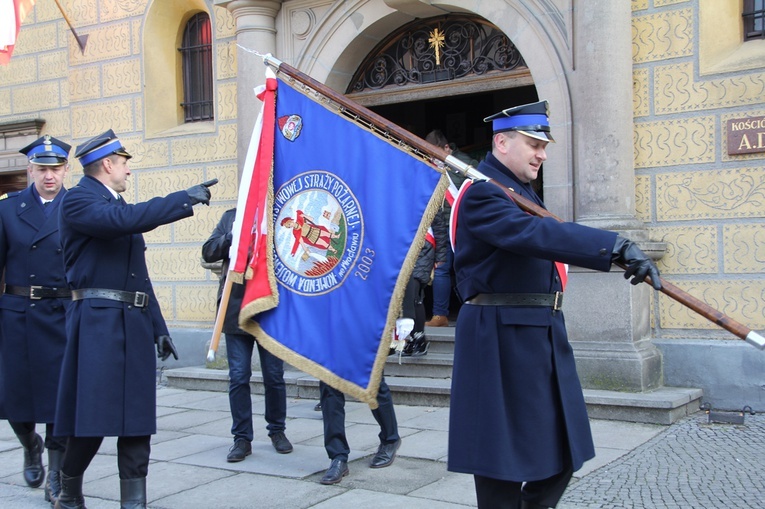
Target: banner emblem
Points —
{"points": [[319, 231], [290, 126]]}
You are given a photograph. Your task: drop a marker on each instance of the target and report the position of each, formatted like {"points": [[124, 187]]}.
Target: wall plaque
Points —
{"points": [[746, 135]]}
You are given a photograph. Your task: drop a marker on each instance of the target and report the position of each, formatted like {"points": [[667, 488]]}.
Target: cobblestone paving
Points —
{"points": [[694, 464]]}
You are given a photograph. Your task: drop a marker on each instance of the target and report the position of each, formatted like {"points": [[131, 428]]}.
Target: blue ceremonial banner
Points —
{"points": [[350, 213]]}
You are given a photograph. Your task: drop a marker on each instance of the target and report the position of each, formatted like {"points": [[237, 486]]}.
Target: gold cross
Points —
{"points": [[437, 42]]}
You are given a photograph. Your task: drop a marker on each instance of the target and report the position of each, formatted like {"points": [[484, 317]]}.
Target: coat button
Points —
{"points": [[34, 246], [130, 306], [32, 276], [31, 305], [132, 275], [185, 205], [603, 251]]}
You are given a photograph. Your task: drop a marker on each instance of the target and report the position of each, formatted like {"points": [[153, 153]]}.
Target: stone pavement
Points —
{"points": [[690, 464]]}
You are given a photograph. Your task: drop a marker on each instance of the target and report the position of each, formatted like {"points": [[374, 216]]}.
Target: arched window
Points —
{"points": [[196, 51], [754, 19]]}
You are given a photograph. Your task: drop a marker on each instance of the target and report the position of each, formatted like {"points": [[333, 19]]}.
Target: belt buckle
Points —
{"points": [[32, 290], [140, 299], [558, 301]]}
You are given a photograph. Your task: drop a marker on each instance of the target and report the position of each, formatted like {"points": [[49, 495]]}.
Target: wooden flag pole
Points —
{"points": [[81, 40], [220, 318], [422, 148]]}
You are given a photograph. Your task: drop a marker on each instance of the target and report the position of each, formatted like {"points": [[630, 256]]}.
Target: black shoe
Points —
{"points": [[281, 444], [336, 471], [386, 453], [34, 472], [416, 346], [240, 450], [420, 347], [317, 408]]}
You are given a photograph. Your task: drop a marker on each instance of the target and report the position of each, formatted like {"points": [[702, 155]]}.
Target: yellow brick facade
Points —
{"points": [[81, 95], [705, 204]]}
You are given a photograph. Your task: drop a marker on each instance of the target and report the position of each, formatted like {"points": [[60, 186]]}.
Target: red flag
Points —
{"points": [[12, 14], [249, 254]]}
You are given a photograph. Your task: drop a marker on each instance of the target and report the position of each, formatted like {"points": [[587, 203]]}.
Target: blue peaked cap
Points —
{"points": [[529, 119], [47, 151], [99, 147]]}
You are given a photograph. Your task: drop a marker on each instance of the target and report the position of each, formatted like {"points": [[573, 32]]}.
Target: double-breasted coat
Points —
{"points": [[109, 371], [517, 410], [32, 332]]}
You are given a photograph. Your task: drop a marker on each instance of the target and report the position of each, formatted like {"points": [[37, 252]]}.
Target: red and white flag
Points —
{"points": [[12, 14], [249, 255]]}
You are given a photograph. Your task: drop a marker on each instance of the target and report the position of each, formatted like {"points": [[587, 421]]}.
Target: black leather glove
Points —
{"points": [[638, 264], [165, 348], [199, 194]]}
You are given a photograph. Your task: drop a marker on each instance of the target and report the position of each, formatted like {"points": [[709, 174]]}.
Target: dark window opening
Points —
{"points": [[754, 19], [196, 52]]}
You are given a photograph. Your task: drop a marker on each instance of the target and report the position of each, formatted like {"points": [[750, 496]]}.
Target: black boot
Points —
{"points": [[133, 493], [34, 472], [53, 483], [70, 496]]}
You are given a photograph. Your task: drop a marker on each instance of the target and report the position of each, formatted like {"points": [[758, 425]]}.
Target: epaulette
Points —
{"points": [[8, 195]]}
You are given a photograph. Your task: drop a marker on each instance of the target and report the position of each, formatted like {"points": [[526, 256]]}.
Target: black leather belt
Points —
{"points": [[138, 299], [38, 292], [553, 300]]}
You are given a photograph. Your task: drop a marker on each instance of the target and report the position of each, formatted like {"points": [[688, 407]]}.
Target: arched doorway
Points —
{"points": [[420, 98], [335, 49], [446, 72]]}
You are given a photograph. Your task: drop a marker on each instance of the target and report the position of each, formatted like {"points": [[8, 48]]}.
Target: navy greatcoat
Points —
{"points": [[108, 376], [516, 400], [32, 332]]}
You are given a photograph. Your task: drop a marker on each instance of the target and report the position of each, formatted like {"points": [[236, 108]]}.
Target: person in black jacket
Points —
{"points": [[442, 276], [432, 254], [239, 346]]}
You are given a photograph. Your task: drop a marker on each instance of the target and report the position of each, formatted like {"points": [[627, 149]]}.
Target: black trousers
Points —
{"points": [[132, 455], [333, 414], [52, 442], [498, 494]]}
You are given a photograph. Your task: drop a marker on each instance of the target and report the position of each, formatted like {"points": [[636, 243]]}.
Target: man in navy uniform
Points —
{"points": [[114, 322], [518, 420], [33, 308]]}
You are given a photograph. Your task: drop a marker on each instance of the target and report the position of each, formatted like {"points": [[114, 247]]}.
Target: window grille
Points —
{"points": [[196, 52], [754, 19], [437, 49]]}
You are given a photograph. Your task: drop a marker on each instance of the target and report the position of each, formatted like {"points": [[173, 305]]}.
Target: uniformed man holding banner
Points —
{"points": [[518, 420]]}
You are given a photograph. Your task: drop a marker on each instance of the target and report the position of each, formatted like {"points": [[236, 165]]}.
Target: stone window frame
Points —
{"points": [[163, 30], [721, 39]]}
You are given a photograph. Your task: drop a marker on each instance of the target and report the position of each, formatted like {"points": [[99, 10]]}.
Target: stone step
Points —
{"points": [[662, 406], [431, 365], [441, 339]]}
